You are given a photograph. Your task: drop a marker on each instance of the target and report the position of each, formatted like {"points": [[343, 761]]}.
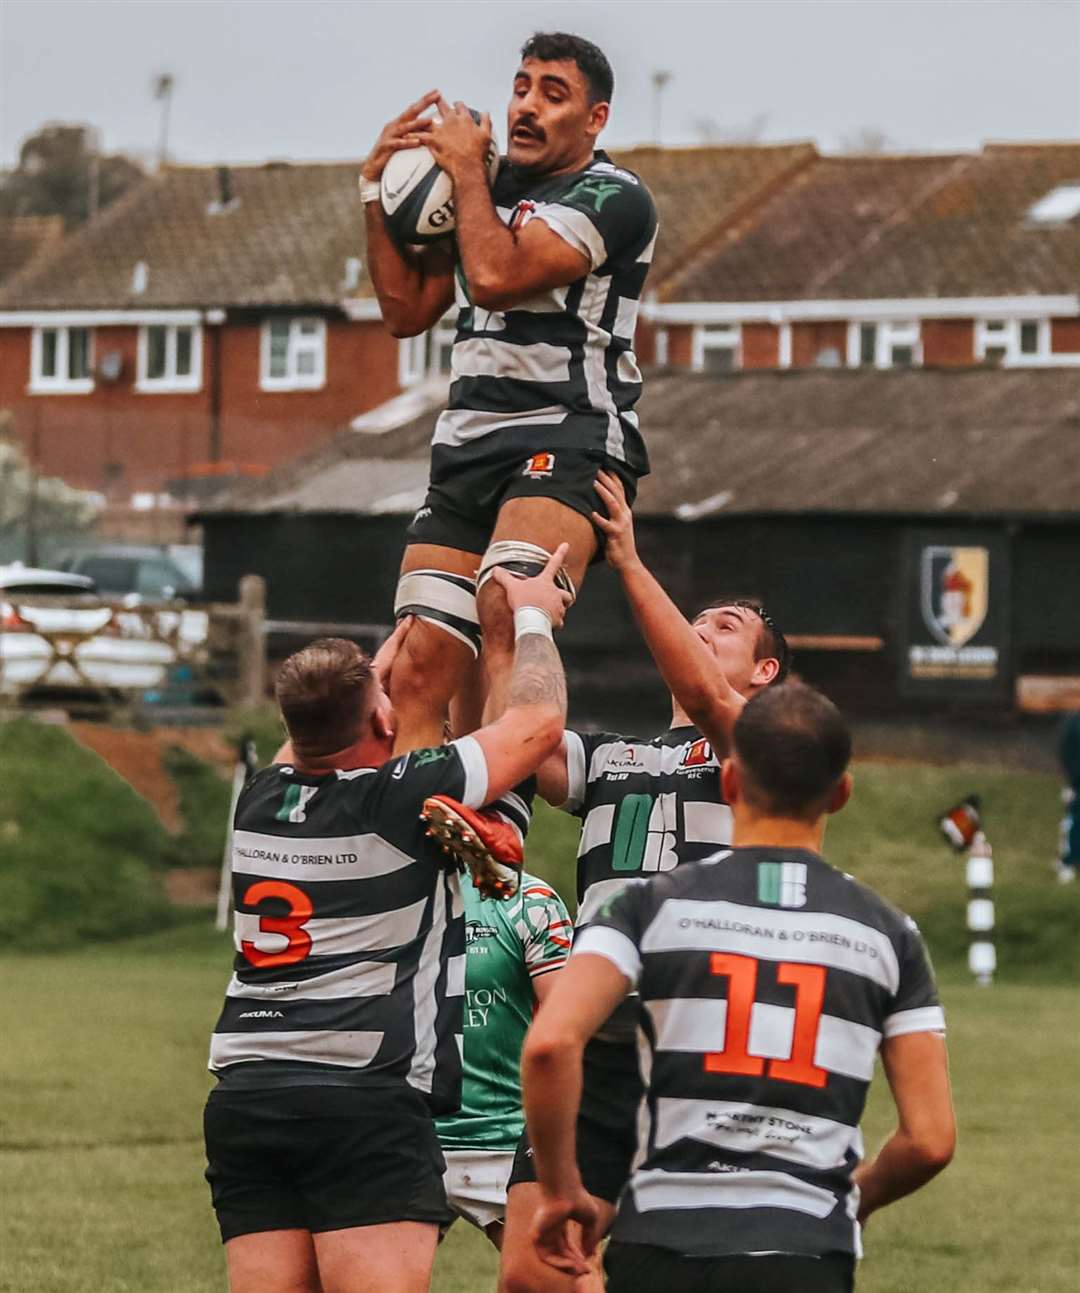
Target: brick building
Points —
{"points": [[220, 320], [213, 317], [889, 262]]}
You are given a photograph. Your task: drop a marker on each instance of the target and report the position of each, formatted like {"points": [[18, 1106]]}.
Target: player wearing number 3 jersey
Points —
{"points": [[339, 1037], [767, 984]]}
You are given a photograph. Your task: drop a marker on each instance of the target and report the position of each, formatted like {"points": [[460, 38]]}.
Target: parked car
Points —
{"points": [[127, 570], [80, 646]]}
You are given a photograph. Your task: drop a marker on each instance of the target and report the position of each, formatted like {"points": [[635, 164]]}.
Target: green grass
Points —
{"points": [[101, 1159], [80, 852], [103, 1067]]}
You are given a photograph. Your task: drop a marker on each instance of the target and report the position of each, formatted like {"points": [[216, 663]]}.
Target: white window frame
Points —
{"points": [[170, 381], [61, 384], [887, 334], [1005, 333], [298, 343], [716, 337], [418, 357]]}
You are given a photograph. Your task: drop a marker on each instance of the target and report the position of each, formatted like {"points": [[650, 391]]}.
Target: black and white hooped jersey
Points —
{"points": [[645, 807], [766, 986], [349, 932], [564, 360]]}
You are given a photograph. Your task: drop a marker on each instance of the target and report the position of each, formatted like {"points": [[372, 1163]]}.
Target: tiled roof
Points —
{"points": [[797, 244], [973, 238], [284, 240], [22, 238], [699, 190], [934, 443], [882, 227]]}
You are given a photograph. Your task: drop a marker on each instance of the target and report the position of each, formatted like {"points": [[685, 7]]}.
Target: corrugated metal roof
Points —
{"points": [[923, 443]]}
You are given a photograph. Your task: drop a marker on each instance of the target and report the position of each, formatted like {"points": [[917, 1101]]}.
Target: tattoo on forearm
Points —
{"points": [[538, 676]]}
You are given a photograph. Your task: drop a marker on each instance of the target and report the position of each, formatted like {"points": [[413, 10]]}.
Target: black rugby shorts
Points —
{"points": [[607, 1121], [321, 1158], [469, 485], [641, 1268]]}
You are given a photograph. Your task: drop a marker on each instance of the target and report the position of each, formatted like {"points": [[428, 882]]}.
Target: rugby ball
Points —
{"points": [[417, 196]]}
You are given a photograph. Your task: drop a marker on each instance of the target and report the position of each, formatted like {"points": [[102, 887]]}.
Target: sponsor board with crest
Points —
{"points": [[956, 613]]}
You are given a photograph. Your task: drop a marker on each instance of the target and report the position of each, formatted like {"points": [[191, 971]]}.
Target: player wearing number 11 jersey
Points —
{"points": [[767, 984]]}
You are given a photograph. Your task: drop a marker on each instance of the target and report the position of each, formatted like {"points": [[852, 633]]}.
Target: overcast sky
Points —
{"points": [[316, 78]]}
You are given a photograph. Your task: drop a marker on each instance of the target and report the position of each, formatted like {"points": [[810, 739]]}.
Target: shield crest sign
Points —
{"points": [[955, 588]]}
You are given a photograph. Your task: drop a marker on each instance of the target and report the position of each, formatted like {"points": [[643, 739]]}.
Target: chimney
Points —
{"points": [[225, 193]]}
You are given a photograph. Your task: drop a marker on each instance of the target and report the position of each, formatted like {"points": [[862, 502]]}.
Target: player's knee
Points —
{"points": [[519, 558]]}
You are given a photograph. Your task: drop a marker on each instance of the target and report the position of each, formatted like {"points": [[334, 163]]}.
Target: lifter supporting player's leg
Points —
{"points": [[436, 656], [546, 523], [521, 1269]]}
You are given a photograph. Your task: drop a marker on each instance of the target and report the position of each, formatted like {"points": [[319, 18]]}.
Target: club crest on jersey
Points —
{"points": [[698, 754], [954, 587], [476, 930], [539, 466]]}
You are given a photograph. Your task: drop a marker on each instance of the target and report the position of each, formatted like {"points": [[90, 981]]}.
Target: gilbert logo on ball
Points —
{"points": [[417, 196]]}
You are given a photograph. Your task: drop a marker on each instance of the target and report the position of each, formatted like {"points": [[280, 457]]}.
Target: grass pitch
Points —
{"points": [[101, 1158], [102, 1072]]}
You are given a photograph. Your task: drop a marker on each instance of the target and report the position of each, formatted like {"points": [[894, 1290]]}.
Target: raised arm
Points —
{"points": [[923, 1143], [531, 727], [415, 289], [502, 267], [684, 661]]}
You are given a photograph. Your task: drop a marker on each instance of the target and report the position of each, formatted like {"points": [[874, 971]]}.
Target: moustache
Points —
{"points": [[529, 128]]}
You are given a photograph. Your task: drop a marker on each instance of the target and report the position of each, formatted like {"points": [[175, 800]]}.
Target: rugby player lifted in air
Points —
{"points": [[767, 984], [547, 271], [645, 806], [338, 1038]]}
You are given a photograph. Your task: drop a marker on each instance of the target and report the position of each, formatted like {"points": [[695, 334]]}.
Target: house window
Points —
{"points": [[1012, 341], [1059, 206], [170, 357], [884, 344], [61, 360], [426, 355], [293, 354], [716, 350]]}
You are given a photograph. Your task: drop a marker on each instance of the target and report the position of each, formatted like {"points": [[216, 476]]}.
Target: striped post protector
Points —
{"points": [[982, 955]]}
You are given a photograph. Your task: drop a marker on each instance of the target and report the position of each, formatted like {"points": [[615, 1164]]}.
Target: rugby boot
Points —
{"points": [[481, 841]]}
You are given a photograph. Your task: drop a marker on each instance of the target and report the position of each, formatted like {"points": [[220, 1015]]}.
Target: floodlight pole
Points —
{"points": [[163, 91], [659, 80]]}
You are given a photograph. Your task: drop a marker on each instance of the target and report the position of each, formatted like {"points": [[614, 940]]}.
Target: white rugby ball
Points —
{"points": [[417, 196]]}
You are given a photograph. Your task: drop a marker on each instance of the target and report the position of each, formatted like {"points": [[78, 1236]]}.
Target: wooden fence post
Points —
{"points": [[251, 641]]}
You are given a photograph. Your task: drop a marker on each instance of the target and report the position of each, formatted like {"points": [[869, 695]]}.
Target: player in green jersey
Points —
{"points": [[512, 948]]}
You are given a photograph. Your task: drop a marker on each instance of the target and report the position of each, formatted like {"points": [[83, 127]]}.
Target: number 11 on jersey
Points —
{"points": [[735, 1057]]}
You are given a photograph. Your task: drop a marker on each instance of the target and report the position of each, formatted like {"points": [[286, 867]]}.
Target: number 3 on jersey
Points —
{"points": [[809, 983], [290, 926]]}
